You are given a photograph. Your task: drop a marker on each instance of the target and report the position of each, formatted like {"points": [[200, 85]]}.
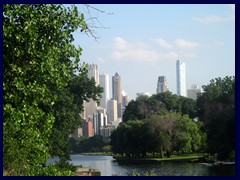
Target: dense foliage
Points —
{"points": [[157, 134], [144, 107], [160, 123], [42, 95], [217, 112]]}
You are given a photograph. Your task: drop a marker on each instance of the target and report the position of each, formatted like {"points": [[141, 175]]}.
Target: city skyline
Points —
{"points": [[204, 35]]}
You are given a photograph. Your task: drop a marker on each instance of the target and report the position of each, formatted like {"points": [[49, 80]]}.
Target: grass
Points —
{"points": [[180, 157], [97, 153]]}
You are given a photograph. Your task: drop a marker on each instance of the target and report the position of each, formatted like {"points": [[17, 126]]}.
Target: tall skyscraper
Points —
{"points": [[117, 92], [181, 78], [91, 106], [104, 83], [162, 84]]}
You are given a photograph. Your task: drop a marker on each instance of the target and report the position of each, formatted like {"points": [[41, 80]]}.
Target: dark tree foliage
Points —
{"points": [[216, 108], [157, 134], [93, 144]]}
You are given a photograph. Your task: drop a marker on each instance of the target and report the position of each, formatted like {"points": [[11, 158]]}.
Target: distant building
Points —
{"points": [[106, 131], [77, 133], [87, 128], [104, 83], [124, 100], [117, 92], [99, 120], [193, 92], [91, 106], [112, 111], [143, 94], [162, 84], [181, 78]]}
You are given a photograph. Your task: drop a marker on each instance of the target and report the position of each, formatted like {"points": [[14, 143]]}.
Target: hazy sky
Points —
{"points": [[141, 42]]}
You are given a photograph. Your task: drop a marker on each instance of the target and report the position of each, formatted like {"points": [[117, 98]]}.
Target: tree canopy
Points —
{"points": [[42, 94], [157, 134], [216, 108], [144, 107]]}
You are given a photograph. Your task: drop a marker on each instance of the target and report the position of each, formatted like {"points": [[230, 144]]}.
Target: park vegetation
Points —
{"points": [[165, 124], [44, 86]]}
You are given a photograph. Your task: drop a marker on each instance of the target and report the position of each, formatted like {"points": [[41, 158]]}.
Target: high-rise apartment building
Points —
{"points": [[117, 92], [104, 83], [162, 84], [181, 78], [193, 92]]}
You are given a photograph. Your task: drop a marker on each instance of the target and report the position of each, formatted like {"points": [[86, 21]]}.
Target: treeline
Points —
{"points": [[144, 106], [165, 123], [44, 86], [162, 134], [96, 143]]}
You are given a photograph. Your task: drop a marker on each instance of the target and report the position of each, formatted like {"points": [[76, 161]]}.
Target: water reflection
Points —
{"points": [[108, 166]]}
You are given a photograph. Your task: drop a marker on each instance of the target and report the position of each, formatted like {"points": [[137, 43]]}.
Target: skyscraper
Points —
{"points": [[91, 106], [162, 84], [181, 78], [112, 110], [117, 92], [104, 82], [93, 72]]}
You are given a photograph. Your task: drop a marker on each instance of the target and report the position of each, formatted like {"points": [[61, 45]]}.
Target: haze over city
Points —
{"points": [[142, 42]]}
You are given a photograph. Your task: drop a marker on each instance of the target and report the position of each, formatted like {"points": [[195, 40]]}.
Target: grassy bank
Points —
{"points": [[192, 157], [97, 154]]}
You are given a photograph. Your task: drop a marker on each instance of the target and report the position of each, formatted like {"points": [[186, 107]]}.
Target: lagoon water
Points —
{"points": [[109, 166]]}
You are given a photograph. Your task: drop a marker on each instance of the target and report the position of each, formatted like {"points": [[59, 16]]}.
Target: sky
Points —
{"points": [[142, 42]]}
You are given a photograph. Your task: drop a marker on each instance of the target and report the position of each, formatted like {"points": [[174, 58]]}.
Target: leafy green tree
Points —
{"points": [[92, 144], [160, 128], [39, 82], [66, 112], [170, 100], [216, 108], [143, 107], [131, 138], [159, 104]]}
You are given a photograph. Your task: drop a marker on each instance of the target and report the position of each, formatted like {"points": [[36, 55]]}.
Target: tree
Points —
{"points": [[39, 82], [216, 108], [92, 144], [144, 107], [66, 112]]}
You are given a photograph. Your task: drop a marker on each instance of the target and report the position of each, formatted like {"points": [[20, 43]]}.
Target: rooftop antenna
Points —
{"points": [[178, 53]]}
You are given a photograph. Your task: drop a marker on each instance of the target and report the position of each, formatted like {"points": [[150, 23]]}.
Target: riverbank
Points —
{"points": [[80, 171], [193, 157], [174, 158], [96, 154]]}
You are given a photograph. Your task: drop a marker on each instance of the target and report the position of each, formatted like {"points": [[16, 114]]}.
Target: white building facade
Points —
{"points": [[181, 78]]}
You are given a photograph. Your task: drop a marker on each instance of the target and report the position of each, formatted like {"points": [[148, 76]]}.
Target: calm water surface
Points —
{"points": [[108, 166]]}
